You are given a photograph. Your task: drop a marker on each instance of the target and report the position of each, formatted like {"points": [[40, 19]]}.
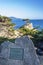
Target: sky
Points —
{"points": [[32, 9]]}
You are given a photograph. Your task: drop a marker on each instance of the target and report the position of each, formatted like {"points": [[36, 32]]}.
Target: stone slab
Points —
{"points": [[21, 52]]}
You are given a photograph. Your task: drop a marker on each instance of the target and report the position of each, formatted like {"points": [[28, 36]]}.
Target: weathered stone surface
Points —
{"points": [[0, 48], [21, 52], [30, 57], [3, 61], [41, 59]]}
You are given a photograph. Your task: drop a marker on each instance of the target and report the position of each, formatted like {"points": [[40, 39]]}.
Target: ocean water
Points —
{"points": [[19, 23], [37, 23]]}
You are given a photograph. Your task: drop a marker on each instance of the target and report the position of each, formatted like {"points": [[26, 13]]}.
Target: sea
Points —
{"points": [[38, 23]]}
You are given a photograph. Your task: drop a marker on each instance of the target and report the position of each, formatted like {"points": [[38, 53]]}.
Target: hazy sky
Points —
{"points": [[32, 9]]}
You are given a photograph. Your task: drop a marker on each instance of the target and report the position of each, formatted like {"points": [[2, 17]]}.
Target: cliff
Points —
{"points": [[7, 31]]}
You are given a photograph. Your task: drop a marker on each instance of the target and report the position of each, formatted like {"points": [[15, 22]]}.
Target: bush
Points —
{"points": [[2, 39]]}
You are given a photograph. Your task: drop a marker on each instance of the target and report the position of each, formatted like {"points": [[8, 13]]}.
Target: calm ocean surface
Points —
{"points": [[35, 23]]}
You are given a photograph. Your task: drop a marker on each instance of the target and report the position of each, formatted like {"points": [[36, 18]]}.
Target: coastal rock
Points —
{"points": [[21, 52], [29, 26], [3, 61]]}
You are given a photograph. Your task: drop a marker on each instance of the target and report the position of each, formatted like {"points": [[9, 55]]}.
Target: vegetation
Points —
{"points": [[25, 19], [35, 35], [38, 37], [6, 22], [2, 39]]}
